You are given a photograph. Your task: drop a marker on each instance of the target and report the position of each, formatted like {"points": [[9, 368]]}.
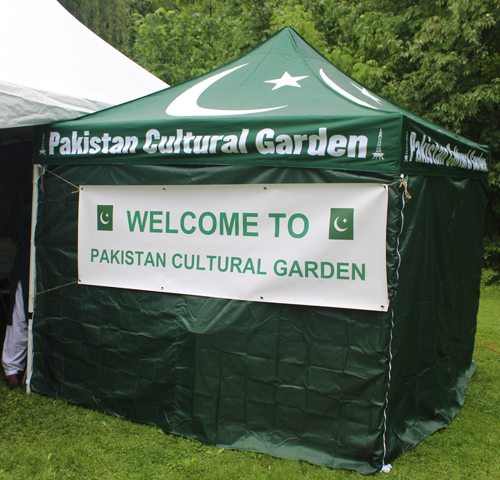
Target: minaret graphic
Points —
{"points": [[378, 153], [42, 148]]}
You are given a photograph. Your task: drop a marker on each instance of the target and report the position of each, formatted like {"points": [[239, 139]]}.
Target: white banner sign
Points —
{"points": [[307, 244]]}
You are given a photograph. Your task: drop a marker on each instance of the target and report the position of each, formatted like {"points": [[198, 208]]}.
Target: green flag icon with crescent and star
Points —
{"points": [[105, 217], [341, 224]]}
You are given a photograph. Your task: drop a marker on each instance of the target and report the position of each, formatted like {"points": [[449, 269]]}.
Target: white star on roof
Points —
{"points": [[286, 81]]}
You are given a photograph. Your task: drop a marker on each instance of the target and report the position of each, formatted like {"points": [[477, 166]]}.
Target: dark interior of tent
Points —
{"points": [[15, 185]]}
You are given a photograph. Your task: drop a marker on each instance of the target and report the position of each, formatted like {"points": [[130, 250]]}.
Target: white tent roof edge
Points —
{"points": [[54, 68]]}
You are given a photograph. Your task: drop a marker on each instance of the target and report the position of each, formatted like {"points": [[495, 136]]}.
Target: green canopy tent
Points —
{"points": [[237, 260]]}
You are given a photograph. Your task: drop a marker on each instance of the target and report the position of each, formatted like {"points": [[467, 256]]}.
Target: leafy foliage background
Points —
{"points": [[437, 58]]}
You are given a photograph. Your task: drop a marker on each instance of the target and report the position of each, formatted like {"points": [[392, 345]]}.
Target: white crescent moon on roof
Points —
{"points": [[342, 92], [186, 104], [102, 220], [336, 225]]}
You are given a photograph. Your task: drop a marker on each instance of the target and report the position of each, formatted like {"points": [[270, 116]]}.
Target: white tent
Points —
{"points": [[54, 68]]}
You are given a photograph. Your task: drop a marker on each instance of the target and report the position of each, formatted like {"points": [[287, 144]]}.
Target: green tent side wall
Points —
{"points": [[292, 381], [435, 307], [344, 388]]}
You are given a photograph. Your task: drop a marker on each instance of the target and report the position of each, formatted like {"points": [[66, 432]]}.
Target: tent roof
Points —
{"points": [[54, 68], [281, 104]]}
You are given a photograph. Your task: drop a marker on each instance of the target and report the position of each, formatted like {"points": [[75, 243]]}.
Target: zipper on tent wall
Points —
{"points": [[386, 468]]}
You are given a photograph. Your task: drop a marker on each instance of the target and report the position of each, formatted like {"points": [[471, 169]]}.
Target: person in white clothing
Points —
{"points": [[15, 343], [16, 335]]}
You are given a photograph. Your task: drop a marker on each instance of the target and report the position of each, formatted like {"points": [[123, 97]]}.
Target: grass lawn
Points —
{"points": [[44, 438]]}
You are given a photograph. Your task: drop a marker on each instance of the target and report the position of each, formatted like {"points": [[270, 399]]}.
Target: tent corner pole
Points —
{"points": [[32, 277]]}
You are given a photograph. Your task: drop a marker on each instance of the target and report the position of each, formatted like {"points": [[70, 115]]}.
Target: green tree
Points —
{"points": [[177, 45], [109, 19], [300, 16], [184, 39]]}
